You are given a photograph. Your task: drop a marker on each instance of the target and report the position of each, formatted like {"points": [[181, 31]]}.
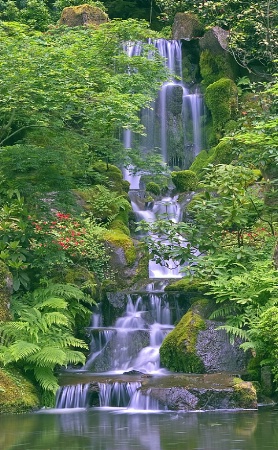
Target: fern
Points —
{"points": [[42, 338], [46, 378], [49, 357], [234, 332], [21, 350]]}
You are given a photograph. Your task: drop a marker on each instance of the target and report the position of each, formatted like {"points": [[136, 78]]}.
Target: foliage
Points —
{"points": [[95, 100], [251, 24], [65, 241], [184, 180], [223, 217], [41, 338]]}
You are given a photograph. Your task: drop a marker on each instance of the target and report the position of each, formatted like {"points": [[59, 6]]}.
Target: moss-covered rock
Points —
{"points": [[184, 180], [74, 16], [245, 394], [122, 246], [17, 395], [222, 153], [187, 286], [187, 26], [178, 350], [153, 188], [6, 284], [221, 99], [109, 176], [213, 67]]}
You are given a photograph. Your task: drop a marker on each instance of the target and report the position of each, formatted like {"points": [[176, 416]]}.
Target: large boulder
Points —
{"points": [[75, 16], [215, 40], [196, 345], [187, 26]]}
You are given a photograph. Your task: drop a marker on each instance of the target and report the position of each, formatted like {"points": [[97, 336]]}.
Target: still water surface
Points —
{"points": [[111, 429]]}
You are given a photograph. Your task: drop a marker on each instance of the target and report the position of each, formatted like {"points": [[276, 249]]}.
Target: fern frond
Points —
{"points": [[74, 357], [51, 318], [68, 340], [65, 291], [22, 350], [48, 357], [46, 379], [234, 332], [53, 303], [248, 346], [224, 311]]}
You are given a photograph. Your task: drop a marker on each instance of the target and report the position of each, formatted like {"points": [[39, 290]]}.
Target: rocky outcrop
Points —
{"points": [[196, 345], [75, 16], [201, 392], [187, 26], [215, 40]]}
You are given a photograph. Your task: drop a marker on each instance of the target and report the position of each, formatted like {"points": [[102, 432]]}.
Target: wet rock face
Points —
{"points": [[75, 16], [217, 353]]}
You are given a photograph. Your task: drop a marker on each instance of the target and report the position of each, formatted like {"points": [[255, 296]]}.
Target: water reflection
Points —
{"points": [[109, 429]]}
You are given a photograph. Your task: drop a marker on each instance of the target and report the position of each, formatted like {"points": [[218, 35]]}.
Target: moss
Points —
{"points": [[120, 240], [178, 350], [213, 67], [17, 395], [5, 292], [85, 14], [245, 394], [81, 277], [221, 99], [200, 162], [153, 188], [187, 285], [222, 153], [184, 180], [119, 225]]}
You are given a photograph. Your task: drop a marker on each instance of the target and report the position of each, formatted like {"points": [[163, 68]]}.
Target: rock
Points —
{"points": [[17, 395], [196, 346], [215, 40], [187, 26], [75, 16], [201, 392], [216, 351]]}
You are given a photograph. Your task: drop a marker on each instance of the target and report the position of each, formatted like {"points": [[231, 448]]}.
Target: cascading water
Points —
{"points": [[128, 346], [173, 120]]}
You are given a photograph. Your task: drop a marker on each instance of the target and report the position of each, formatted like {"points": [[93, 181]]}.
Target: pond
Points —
{"points": [[109, 429]]}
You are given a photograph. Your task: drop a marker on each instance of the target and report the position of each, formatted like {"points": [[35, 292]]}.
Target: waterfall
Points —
{"points": [[128, 347]]}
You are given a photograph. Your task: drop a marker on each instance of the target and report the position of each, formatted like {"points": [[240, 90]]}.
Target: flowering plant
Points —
{"points": [[69, 241]]}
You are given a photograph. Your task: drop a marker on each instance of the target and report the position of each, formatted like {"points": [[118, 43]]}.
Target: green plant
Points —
{"points": [[41, 339]]}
